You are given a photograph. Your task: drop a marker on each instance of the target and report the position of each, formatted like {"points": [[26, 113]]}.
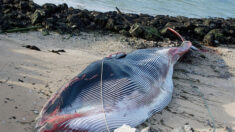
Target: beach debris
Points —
{"points": [[22, 29], [32, 47], [20, 80], [58, 51], [37, 16], [119, 89], [12, 117]]}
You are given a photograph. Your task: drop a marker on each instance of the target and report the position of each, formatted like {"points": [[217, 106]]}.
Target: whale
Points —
{"points": [[123, 88]]}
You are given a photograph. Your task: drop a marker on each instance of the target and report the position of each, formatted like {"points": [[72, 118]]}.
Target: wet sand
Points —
{"points": [[29, 77]]}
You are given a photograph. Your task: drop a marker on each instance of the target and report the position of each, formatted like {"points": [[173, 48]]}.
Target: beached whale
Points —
{"points": [[119, 89]]}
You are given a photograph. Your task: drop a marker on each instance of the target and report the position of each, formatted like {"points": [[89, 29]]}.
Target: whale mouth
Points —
{"points": [[177, 52]]}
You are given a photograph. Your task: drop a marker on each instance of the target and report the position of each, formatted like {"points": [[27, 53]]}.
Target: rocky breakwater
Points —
{"points": [[64, 19]]}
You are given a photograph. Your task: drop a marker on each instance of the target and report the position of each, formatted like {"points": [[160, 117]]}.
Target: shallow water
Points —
{"points": [[189, 8]]}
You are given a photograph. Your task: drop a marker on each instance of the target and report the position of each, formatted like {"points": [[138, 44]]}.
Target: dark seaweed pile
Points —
{"points": [[62, 19]]}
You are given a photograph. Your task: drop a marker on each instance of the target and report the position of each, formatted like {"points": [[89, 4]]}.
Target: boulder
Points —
{"points": [[37, 16], [200, 32], [151, 33], [214, 37], [110, 24], [100, 19], [209, 23], [49, 8], [63, 6], [136, 30], [49, 23], [24, 5], [7, 1], [74, 21]]}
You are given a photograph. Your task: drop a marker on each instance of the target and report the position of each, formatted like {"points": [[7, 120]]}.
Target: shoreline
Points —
{"points": [[64, 19]]}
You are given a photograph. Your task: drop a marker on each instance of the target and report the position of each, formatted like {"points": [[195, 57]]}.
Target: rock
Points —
{"points": [[23, 5], [7, 1], [100, 19], [163, 31], [200, 31], [110, 24], [118, 27], [125, 128], [136, 30], [175, 25], [49, 8], [74, 21], [209, 23], [213, 37], [33, 6], [151, 33], [63, 28], [37, 16], [49, 24], [63, 6], [6, 11], [124, 32]]}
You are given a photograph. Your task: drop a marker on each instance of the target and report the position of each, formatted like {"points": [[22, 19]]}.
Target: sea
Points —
{"points": [[188, 8]]}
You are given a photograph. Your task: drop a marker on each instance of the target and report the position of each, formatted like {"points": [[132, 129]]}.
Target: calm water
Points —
{"points": [[189, 8]]}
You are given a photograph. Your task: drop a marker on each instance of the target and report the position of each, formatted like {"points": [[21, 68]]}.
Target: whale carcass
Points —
{"points": [[119, 89]]}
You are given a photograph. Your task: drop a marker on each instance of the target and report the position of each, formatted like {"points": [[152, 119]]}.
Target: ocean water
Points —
{"points": [[188, 8]]}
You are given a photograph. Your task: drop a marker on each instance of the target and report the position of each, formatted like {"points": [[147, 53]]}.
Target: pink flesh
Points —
{"points": [[180, 50]]}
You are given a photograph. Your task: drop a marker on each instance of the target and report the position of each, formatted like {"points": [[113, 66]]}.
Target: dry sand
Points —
{"points": [[28, 78]]}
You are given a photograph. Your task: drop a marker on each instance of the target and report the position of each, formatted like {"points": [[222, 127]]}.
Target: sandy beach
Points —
{"points": [[29, 77]]}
